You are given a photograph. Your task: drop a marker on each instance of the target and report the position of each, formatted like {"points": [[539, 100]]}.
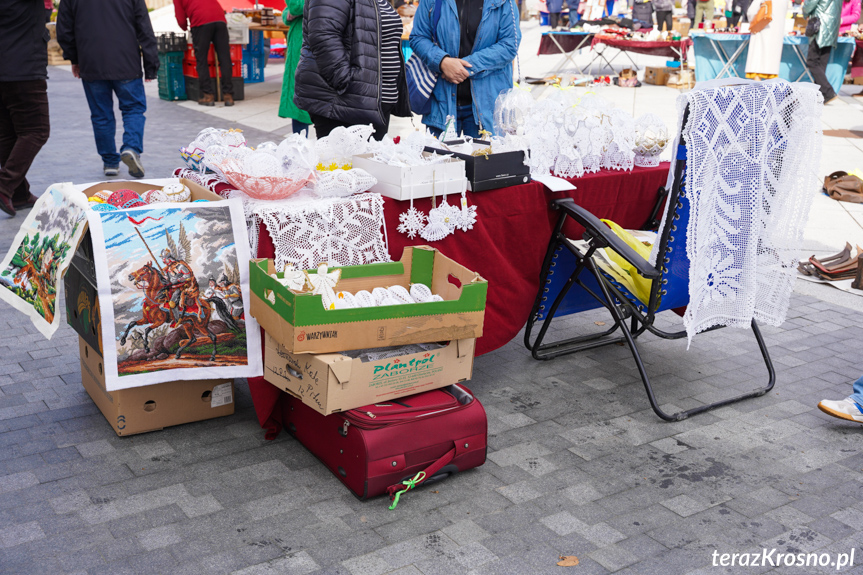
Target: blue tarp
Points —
{"points": [[708, 64]]}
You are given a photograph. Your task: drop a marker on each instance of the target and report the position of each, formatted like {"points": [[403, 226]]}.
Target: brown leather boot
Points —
{"points": [[228, 99], [858, 281], [207, 100]]}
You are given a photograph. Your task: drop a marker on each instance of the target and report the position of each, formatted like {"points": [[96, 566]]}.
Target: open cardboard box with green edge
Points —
{"points": [[299, 321]]}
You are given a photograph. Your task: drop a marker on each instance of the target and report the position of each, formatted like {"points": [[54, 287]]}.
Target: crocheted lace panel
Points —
{"points": [[752, 157]]}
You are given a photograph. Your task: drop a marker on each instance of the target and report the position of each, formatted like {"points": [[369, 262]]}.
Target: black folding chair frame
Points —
{"points": [[620, 307]]}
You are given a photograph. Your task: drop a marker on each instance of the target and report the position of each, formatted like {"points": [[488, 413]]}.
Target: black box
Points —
{"points": [[193, 91], [82, 301], [490, 172], [171, 42]]}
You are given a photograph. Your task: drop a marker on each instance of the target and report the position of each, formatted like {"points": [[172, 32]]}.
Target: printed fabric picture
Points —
{"points": [[174, 294], [32, 272]]}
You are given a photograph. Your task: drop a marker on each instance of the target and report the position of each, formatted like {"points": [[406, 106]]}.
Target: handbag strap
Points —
{"points": [[515, 31]]}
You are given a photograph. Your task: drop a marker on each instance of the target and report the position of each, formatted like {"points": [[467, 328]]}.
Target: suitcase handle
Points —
{"points": [[395, 491]]}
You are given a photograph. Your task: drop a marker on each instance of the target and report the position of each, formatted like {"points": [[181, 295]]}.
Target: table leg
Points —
{"points": [[566, 56], [634, 65], [729, 62], [601, 54]]}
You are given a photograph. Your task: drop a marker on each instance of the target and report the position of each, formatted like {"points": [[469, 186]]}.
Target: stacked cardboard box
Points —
{"points": [[140, 409], [304, 342]]}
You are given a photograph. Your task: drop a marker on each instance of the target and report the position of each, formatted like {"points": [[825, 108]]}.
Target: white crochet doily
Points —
{"points": [[307, 230]]}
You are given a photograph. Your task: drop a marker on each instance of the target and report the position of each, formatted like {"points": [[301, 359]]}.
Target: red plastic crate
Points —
{"points": [[236, 54], [190, 63], [190, 69]]}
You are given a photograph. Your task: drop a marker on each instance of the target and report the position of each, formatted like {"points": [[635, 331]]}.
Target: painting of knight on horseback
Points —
{"points": [[159, 267]]}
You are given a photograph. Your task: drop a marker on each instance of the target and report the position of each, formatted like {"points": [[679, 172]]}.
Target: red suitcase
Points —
{"points": [[381, 448]]}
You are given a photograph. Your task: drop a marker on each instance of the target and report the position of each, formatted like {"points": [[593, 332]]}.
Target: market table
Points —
{"points": [[674, 49], [506, 246], [724, 54], [563, 42]]}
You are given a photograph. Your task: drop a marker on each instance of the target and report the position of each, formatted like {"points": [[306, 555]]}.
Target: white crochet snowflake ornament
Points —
{"points": [[412, 222]]}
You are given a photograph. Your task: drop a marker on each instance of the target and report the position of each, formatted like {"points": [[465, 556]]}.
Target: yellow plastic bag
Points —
{"points": [[634, 281]]}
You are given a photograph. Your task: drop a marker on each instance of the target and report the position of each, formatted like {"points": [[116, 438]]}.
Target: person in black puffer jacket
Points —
{"points": [[351, 68]]}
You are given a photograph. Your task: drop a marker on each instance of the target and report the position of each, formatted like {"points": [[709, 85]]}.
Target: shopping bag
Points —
{"points": [[636, 283], [762, 18], [421, 80]]}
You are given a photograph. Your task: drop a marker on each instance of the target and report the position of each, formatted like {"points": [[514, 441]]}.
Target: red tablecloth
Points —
{"points": [[666, 49], [856, 67], [569, 41], [506, 246]]}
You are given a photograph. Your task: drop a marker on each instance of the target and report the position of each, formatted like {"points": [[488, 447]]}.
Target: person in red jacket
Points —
{"points": [[208, 27]]}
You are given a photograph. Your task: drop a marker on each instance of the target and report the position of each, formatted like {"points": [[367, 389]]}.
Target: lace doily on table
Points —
{"points": [[307, 230], [342, 144], [751, 176], [342, 183]]}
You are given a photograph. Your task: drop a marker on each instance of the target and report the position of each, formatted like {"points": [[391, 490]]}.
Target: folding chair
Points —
{"points": [[572, 281]]}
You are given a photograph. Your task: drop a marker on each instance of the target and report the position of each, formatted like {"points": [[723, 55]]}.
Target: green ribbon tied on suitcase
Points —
{"points": [[409, 484]]}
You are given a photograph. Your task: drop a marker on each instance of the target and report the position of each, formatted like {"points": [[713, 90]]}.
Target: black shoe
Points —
{"points": [[6, 205], [133, 161], [25, 204]]}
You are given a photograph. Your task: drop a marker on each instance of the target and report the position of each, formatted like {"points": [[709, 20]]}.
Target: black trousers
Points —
{"points": [[816, 61], [215, 33], [24, 129], [554, 19], [663, 17], [323, 126]]}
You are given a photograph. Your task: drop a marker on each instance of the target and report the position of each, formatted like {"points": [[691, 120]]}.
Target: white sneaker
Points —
{"points": [[843, 409]]}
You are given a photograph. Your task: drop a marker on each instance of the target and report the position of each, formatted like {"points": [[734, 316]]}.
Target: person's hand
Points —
{"points": [[76, 71], [149, 79], [454, 70]]}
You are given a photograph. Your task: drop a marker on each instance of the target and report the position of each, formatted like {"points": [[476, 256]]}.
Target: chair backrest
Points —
{"points": [[672, 289]]}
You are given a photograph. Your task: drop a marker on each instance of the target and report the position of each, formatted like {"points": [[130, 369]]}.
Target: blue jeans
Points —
{"points": [[300, 127], [857, 396], [464, 123], [133, 104]]}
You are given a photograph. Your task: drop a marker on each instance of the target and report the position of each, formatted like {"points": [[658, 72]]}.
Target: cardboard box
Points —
{"points": [[153, 407], [681, 80], [82, 305], [332, 382], [858, 81], [492, 171], [656, 75], [397, 182], [682, 26], [300, 323]]}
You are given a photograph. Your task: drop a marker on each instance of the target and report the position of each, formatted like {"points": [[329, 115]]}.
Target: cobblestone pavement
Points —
{"points": [[577, 462]]}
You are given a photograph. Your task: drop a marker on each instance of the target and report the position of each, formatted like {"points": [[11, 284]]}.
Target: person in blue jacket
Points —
{"points": [[477, 40]]}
